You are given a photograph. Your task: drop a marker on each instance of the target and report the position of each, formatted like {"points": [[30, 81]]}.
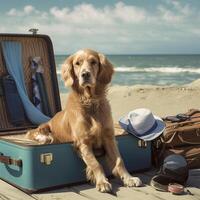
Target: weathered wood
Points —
{"points": [[61, 194], [166, 195], [152, 194], [8, 192], [193, 183], [91, 192], [87, 191], [130, 193]]}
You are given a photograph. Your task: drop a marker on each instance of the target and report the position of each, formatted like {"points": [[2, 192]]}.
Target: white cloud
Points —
{"points": [[60, 14], [107, 15], [86, 13], [196, 31], [169, 16], [117, 28], [12, 12], [27, 10], [128, 13], [185, 10], [176, 12]]}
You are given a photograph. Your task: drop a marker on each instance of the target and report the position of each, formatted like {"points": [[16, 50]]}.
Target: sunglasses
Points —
{"points": [[179, 118]]}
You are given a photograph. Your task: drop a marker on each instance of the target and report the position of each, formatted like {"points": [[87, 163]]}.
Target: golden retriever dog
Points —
{"points": [[87, 119]]}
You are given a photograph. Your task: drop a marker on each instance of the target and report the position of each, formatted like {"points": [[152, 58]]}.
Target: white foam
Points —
{"points": [[158, 69], [154, 69]]}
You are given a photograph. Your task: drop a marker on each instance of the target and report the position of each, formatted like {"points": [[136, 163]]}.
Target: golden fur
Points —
{"points": [[87, 119]]}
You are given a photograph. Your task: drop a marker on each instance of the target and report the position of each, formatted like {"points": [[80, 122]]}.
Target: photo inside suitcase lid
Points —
{"points": [[28, 86]]}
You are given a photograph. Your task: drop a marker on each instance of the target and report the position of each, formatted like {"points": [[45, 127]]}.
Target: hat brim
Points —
{"points": [[159, 128]]}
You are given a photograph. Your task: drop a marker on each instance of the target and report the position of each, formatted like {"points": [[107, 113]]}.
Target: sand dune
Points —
{"points": [[162, 100]]}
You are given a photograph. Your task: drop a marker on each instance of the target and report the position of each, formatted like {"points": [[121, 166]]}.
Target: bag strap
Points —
{"points": [[179, 124], [170, 139], [194, 125], [9, 161], [192, 112], [180, 138], [188, 114], [186, 142]]}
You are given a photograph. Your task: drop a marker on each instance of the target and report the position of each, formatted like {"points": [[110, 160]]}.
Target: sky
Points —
{"points": [[109, 26]]}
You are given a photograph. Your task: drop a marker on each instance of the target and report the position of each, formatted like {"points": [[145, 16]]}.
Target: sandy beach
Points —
{"points": [[162, 100]]}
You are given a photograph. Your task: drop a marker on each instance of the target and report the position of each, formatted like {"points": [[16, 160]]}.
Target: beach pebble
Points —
{"points": [[141, 90]]}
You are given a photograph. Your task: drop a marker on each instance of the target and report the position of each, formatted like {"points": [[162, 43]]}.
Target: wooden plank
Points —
{"points": [[64, 193], [91, 192], [152, 194], [194, 178], [138, 192], [87, 191], [121, 192], [8, 192], [193, 182], [166, 195], [132, 192]]}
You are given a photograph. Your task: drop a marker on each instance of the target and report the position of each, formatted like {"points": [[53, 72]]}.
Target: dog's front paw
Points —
{"points": [[104, 186], [41, 138], [44, 139], [131, 181]]}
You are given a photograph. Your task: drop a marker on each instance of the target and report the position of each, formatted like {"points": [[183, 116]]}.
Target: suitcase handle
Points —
{"points": [[9, 161]]}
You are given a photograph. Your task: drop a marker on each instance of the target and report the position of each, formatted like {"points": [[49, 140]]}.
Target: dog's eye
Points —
{"points": [[77, 63], [93, 62]]}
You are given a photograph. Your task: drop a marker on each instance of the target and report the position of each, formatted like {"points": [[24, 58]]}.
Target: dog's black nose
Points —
{"points": [[85, 75]]}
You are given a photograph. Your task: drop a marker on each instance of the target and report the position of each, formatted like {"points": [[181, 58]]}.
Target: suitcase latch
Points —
{"points": [[46, 158], [142, 144]]}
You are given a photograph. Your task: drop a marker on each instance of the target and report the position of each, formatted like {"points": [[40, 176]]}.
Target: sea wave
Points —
{"points": [[155, 69], [158, 69]]}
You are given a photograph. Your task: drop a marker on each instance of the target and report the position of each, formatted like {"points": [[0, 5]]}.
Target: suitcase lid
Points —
{"points": [[33, 45]]}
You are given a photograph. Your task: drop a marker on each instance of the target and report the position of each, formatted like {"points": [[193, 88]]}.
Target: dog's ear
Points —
{"points": [[106, 70], [67, 71]]}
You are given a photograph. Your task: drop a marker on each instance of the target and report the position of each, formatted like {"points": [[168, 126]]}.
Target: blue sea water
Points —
{"points": [[148, 69]]}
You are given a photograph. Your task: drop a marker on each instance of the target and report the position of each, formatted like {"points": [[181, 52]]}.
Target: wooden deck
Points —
{"points": [[87, 191]]}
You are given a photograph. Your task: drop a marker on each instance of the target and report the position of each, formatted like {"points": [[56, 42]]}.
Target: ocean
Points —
{"points": [[148, 69]]}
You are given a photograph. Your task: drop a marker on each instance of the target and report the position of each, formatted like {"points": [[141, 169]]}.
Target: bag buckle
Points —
{"points": [[142, 144], [198, 132]]}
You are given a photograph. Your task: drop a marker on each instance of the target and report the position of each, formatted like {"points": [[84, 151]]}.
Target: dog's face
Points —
{"points": [[87, 68]]}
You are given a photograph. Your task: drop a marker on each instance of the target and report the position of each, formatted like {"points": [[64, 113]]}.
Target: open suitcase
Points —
{"points": [[32, 167]]}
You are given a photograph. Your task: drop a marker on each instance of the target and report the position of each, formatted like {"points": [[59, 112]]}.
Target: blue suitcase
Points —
{"points": [[32, 167]]}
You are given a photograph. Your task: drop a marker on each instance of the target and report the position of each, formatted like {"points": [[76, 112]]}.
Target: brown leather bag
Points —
{"points": [[183, 130], [181, 136], [191, 154]]}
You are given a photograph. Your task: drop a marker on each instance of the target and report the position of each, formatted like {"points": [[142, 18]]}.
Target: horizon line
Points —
{"points": [[144, 54]]}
